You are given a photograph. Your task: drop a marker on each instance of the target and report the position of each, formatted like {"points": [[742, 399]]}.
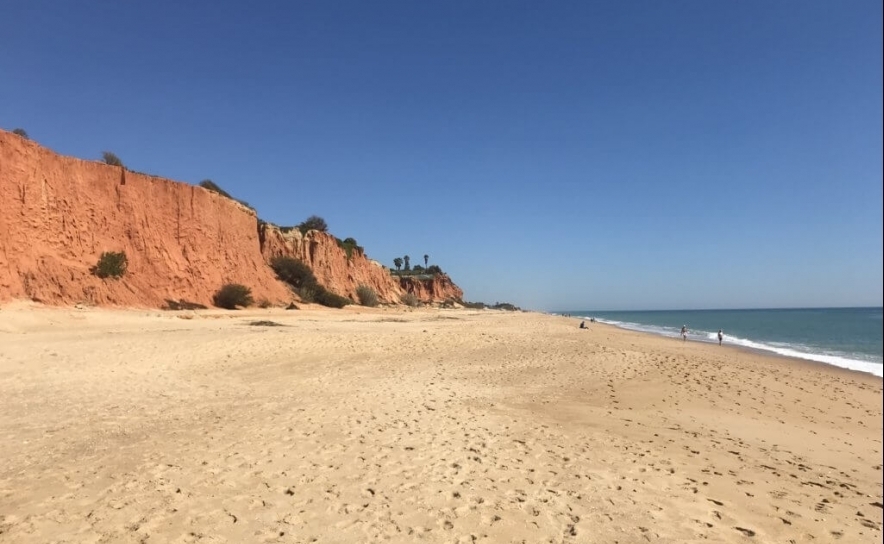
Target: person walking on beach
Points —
{"points": [[684, 333], [720, 336]]}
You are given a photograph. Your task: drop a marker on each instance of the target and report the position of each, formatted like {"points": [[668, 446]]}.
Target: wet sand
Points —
{"points": [[420, 426]]}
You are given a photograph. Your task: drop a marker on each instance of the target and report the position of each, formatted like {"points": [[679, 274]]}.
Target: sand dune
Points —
{"points": [[420, 426]]}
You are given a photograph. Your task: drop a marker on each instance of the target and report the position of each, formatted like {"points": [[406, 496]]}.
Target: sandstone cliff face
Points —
{"points": [[331, 265], [438, 289], [58, 214], [343, 274]]}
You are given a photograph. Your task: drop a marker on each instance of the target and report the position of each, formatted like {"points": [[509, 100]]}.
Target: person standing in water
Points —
{"points": [[720, 336], [684, 333]]}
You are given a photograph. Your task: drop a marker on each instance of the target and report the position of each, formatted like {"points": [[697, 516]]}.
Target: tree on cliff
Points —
{"points": [[111, 159], [426, 259], [398, 262], [407, 261], [314, 222], [21, 132]]}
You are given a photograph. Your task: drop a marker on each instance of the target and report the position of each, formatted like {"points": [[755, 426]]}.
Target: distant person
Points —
{"points": [[684, 333], [583, 324], [720, 336]]}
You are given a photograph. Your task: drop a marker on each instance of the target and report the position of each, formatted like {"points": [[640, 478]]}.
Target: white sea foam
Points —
{"points": [[787, 350]]}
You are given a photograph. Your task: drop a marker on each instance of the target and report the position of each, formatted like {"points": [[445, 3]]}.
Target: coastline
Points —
{"points": [[849, 361], [363, 424], [811, 364]]}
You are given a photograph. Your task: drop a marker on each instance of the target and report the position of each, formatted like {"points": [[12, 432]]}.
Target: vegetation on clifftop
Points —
{"points": [[111, 159], [314, 222], [418, 270], [212, 186]]}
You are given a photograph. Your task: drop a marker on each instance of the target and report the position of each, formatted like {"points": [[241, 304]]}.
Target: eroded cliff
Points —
{"points": [[58, 214]]}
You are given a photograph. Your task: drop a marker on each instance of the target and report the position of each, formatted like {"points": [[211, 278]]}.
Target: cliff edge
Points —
{"points": [[183, 242]]}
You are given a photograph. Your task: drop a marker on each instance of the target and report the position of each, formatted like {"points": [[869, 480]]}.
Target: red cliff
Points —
{"points": [[58, 214]]}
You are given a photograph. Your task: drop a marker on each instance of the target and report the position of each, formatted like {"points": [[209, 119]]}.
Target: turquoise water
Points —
{"points": [[845, 337]]}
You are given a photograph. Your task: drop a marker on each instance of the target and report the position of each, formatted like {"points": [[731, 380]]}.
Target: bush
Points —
{"points": [[293, 271], [111, 159], [434, 269], [332, 300], [232, 295], [212, 186], [367, 296], [298, 275], [21, 132], [314, 222], [307, 293], [348, 245], [264, 303], [410, 299], [111, 264]]}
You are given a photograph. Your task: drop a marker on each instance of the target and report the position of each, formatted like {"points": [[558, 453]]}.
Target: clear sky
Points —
{"points": [[557, 155]]}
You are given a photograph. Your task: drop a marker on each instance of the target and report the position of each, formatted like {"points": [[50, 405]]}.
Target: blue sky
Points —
{"points": [[591, 155]]}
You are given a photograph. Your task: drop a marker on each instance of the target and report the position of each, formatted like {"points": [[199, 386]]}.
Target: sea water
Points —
{"points": [[845, 337]]}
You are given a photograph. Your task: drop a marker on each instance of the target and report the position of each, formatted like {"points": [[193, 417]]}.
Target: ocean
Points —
{"points": [[845, 337]]}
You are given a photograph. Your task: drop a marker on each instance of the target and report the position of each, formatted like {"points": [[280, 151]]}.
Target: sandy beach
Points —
{"points": [[390, 425]]}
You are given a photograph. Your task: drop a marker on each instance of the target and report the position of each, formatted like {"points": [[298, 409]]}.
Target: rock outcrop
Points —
{"points": [[437, 288], [58, 214]]}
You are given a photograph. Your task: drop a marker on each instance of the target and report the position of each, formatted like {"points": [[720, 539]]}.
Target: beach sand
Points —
{"points": [[388, 425]]}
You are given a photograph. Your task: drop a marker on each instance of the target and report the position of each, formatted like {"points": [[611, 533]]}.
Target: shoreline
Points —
{"points": [[759, 352], [875, 368], [364, 425]]}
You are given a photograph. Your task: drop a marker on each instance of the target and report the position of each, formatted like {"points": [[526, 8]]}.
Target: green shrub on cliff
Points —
{"points": [[367, 296], [314, 222], [210, 185], [111, 264], [307, 293], [232, 295], [292, 271], [21, 132], [111, 159], [348, 245], [300, 277]]}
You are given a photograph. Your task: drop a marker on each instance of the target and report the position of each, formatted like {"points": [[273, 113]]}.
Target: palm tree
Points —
{"points": [[426, 260], [398, 262], [407, 260]]}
